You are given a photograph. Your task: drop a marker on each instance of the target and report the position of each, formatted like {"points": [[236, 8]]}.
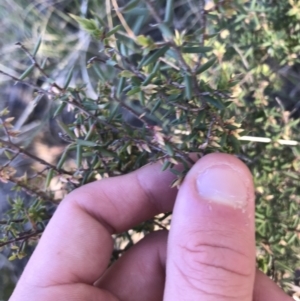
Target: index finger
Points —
{"points": [[76, 245]]}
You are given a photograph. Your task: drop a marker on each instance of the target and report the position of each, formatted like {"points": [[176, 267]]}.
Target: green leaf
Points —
{"points": [[126, 74], [59, 109], [26, 72], [292, 238], [86, 24], [89, 25], [101, 74], [166, 31], [69, 77], [188, 86], [120, 86], [223, 139], [63, 157], [86, 143], [133, 91], [200, 118], [13, 257], [198, 49], [79, 155], [235, 143], [49, 178], [142, 98], [156, 106], [113, 31], [144, 41], [129, 6], [90, 105], [206, 66], [156, 55], [66, 129], [37, 46], [169, 150], [166, 165], [214, 102], [169, 11], [152, 74]]}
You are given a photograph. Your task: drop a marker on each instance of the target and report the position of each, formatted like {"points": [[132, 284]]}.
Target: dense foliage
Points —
{"points": [[128, 83]]}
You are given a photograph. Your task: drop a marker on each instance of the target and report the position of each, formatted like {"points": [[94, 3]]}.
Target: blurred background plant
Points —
{"points": [[95, 89]]}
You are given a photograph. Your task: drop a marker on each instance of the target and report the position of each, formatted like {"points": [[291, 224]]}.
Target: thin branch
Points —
{"points": [[108, 14], [98, 59], [24, 237], [131, 110], [153, 11], [41, 161], [6, 222], [165, 216], [36, 64], [123, 21], [30, 190], [77, 105], [159, 225], [29, 84], [5, 130], [131, 243]]}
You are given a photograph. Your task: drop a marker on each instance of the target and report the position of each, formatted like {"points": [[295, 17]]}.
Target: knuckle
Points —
{"points": [[207, 266]]}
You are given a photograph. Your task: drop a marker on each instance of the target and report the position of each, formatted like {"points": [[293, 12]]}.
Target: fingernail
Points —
{"points": [[223, 185]]}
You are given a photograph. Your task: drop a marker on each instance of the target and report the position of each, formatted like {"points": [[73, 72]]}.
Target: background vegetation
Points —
{"points": [[95, 89]]}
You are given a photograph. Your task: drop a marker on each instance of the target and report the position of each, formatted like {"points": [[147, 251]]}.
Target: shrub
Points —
{"points": [[146, 81]]}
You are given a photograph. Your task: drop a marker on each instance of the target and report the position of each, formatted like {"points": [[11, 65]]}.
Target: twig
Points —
{"points": [[169, 63], [9, 161], [108, 14], [131, 243], [6, 222], [132, 111], [24, 237], [31, 191], [5, 130], [29, 84], [36, 64], [26, 153], [164, 216], [153, 11], [159, 225], [76, 104], [123, 21]]}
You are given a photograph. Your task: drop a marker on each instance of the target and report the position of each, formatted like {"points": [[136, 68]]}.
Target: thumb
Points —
{"points": [[211, 246]]}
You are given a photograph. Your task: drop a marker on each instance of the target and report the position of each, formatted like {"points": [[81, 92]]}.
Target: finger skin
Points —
{"points": [[140, 273], [77, 244], [64, 292], [211, 247], [265, 289]]}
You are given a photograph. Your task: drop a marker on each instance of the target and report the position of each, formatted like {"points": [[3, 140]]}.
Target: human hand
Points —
{"points": [[208, 255]]}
